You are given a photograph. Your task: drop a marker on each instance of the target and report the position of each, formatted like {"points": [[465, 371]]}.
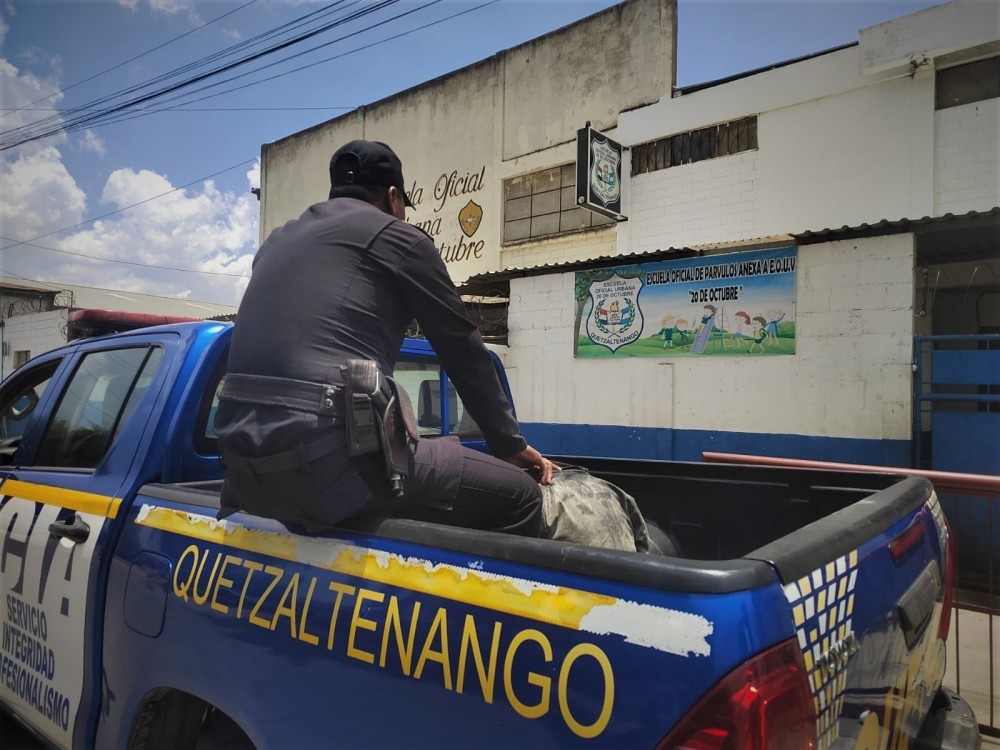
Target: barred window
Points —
{"points": [[697, 145], [543, 204]]}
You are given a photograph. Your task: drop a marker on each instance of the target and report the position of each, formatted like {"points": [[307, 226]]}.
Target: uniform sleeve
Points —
{"points": [[429, 292]]}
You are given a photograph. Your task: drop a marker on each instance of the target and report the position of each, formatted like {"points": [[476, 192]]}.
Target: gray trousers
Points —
{"points": [[447, 483]]}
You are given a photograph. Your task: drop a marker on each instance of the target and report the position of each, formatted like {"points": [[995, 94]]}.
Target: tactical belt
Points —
{"points": [[323, 399], [298, 458]]}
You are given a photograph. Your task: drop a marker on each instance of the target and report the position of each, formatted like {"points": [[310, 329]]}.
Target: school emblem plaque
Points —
{"points": [[604, 184], [599, 178], [615, 318], [470, 217]]}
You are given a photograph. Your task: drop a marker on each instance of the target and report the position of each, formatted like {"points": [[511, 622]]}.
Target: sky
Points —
{"points": [[156, 198]]}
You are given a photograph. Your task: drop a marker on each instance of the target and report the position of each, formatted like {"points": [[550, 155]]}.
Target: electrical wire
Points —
{"points": [[182, 106], [131, 59], [131, 262], [125, 208], [30, 242], [27, 134]]}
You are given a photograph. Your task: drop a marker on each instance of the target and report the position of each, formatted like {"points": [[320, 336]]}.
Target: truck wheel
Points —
{"points": [[219, 732], [170, 719]]}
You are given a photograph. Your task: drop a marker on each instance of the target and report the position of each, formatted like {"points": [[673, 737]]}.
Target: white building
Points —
{"points": [[875, 163], [34, 317]]}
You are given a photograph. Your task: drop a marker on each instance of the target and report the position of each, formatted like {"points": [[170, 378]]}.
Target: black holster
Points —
{"points": [[379, 417]]}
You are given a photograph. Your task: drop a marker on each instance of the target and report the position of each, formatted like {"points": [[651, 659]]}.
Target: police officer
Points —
{"points": [[340, 283]]}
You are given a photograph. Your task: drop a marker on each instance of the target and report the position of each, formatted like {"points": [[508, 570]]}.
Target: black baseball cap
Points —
{"points": [[367, 163]]}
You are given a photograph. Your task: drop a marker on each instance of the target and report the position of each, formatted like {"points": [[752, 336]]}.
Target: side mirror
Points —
{"points": [[24, 405]]}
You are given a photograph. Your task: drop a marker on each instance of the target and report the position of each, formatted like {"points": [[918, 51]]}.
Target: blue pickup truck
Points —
{"points": [[796, 609]]}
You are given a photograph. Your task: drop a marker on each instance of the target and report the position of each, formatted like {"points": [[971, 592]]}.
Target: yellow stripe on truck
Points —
{"points": [[659, 628], [85, 502]]}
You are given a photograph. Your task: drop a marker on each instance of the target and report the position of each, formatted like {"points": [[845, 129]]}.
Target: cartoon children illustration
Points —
{"points": [[681, 326], [759, 333], [776, 316], [670, 326], [705, 332], [667, 328], [742, 322]]}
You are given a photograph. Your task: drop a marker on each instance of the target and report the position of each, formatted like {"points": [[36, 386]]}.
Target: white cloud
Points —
{"points": [[173, 7], [91, 141], [129, 4], [39, 195], [202, 229], [20, 89], [253, 176], [4, 28]]}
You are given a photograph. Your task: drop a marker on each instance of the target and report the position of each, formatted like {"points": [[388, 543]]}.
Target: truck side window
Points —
{"points": [[422, 381], [103, 392], [17, 409]]}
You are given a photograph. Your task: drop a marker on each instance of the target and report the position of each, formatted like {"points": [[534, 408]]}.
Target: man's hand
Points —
{"points": [[529, 458]]}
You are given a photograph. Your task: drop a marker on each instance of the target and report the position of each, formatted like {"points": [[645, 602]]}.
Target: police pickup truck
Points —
{"points": [[796, 609]]}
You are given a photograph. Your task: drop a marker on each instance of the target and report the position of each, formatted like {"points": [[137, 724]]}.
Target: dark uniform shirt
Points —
{"points": [[341, 282]]}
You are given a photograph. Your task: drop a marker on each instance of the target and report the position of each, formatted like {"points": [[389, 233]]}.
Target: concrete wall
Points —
{"points": [[844, 138], [846, 390], [461, 135], [835, 149], [967, 158], [35, 332]]}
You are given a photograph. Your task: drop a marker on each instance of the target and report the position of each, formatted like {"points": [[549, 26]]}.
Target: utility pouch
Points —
{"points": [[362, 385]]}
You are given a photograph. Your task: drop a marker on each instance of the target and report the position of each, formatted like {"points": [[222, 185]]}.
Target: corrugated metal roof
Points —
{"points": [[108, 299], [897, 226], [485, 279], [493, 277], [25, 288], [976, 231]]}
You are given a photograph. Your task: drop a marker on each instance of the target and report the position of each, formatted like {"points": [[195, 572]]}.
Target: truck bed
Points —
{"points": [[729, 524]]}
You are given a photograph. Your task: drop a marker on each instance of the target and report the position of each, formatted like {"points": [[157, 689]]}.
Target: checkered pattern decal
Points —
{"points": [[823, 605], [935, 508]]}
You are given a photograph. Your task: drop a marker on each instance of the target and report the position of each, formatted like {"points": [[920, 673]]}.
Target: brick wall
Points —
{"points": [[850, 376], [692, 204], [568, 248], [37, 333], [967, 158]]}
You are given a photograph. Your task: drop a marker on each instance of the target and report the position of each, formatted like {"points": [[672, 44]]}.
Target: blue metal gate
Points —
{"points": [[957, 401], [956, 427]]}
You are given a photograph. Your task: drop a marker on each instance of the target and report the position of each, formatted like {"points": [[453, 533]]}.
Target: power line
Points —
{"points": [[184, 106], [125, 208], [131, 59], [131, 262], [327, 59], [178, 108], [191, 66], [29, 133]]}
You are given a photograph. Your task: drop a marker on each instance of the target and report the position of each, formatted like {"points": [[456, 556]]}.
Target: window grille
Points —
{"points": [[697, 145], [543, 204]]}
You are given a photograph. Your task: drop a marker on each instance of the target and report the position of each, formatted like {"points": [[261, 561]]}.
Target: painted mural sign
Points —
{"points": [[739, 304], [455, 215]]}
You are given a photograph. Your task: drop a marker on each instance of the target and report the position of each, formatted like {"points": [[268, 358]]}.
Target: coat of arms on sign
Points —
{"points": [[470, 217], [604, 173]]}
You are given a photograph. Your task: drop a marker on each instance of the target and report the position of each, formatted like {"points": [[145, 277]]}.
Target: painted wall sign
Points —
{"points": [[455, 215], [740, 304], [599, 173]]}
